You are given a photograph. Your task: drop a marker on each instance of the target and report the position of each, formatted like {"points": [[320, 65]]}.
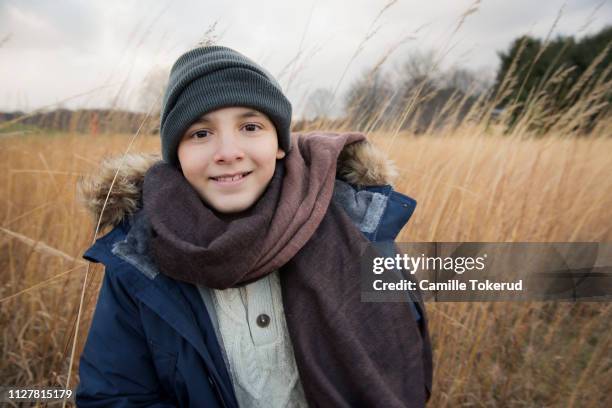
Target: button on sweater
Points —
{"points": [[250, 325]]}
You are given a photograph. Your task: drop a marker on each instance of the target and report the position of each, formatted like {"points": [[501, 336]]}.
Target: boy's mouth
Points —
{"points": [[228, 178]]}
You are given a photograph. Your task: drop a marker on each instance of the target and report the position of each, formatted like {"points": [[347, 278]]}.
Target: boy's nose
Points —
{"points": [[228, 149]]}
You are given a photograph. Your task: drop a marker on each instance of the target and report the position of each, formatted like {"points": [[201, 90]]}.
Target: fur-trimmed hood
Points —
{"points": [[360, 164]]}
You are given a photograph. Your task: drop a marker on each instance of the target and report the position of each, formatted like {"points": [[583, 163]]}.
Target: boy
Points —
{"points": [[232, 266]]}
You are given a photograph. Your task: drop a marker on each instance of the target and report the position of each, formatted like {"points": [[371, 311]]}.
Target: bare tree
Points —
{"points": [[420, 66], [468, 81], [367, 98], [430, 97], [319, 104]]}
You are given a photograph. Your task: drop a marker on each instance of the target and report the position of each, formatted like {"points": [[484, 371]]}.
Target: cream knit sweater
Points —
{"points": [[252, 331]]}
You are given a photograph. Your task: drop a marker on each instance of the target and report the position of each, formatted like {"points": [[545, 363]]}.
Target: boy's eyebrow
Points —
{"points": [[245, 115]]}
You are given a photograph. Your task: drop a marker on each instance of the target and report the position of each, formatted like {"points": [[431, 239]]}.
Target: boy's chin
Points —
{"points": [[231, 208]]}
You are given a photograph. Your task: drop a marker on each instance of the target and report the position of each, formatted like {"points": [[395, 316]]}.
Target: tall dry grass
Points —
{"points": [[468, 187], [473, 181]]}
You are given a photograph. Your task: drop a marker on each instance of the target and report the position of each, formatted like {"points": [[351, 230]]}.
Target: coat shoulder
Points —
{"points": [[363, 164], [114, 191]]}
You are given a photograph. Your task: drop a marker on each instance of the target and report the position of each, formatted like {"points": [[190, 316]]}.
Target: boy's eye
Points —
{"points": [[251, 127], [200, 134]]}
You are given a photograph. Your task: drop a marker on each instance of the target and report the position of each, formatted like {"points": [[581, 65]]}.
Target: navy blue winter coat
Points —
{"points": [[151, 342]]}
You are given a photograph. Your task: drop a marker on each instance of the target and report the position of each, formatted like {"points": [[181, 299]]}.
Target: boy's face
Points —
{"points": [[229, 157]]}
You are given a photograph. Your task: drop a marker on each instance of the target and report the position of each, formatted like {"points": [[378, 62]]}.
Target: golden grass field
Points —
{"points": [[473, 182], [471, 185]]}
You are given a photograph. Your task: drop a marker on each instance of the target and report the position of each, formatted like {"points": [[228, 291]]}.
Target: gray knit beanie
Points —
{"points": [[207, 78]]}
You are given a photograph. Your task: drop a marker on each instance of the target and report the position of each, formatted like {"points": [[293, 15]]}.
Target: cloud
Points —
{"points": [[45, 25], [60, 49]]}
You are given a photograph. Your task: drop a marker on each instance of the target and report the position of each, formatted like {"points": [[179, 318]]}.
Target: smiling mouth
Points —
{"points": [[229, 179]]}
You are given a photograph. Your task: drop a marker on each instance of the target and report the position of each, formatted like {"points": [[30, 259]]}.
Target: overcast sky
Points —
{"points": [[97, 53]]}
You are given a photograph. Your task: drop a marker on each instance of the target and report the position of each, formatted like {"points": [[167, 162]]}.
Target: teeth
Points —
{"points": [[234, 178]]}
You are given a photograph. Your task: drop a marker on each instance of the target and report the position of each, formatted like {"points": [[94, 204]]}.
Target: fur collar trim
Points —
{"points": [[360, 164]]}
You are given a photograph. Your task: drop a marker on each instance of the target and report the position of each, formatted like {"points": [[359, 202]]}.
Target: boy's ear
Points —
{"points": [[280, 153]]}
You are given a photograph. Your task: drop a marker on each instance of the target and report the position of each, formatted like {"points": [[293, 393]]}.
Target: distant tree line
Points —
{"points": [[95, 121], [416, 95], [558, 75], [544, 82]]}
